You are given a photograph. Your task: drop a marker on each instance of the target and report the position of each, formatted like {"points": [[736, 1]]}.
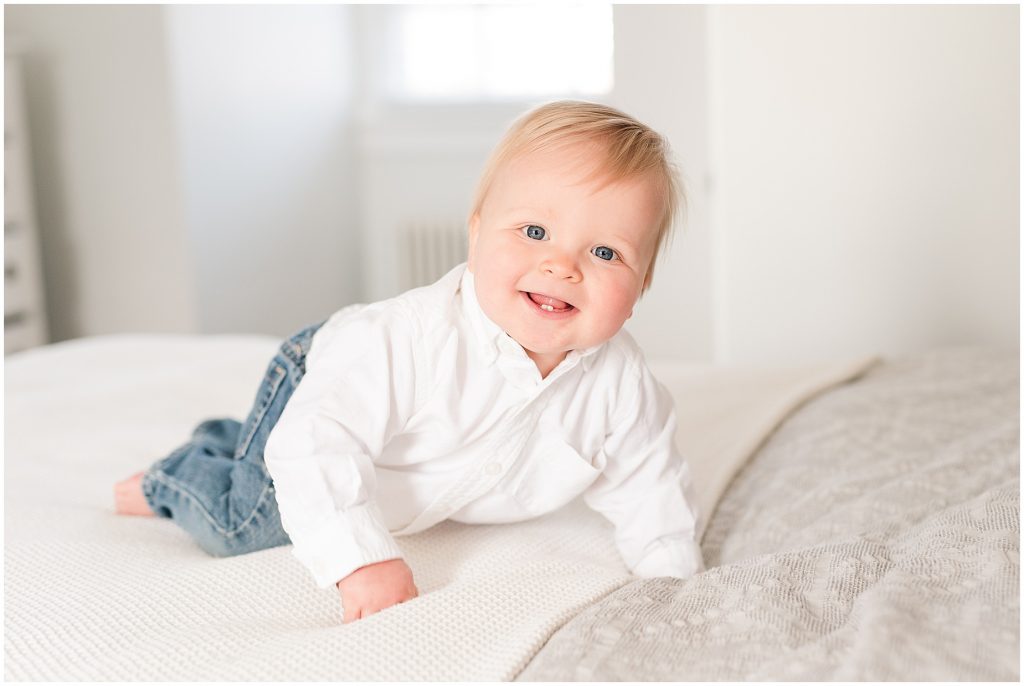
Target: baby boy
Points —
{"points": [[497, 394]]}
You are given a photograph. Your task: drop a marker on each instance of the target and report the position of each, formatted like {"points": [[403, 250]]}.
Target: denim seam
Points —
{"points": [[293, 350], [280, 372], [179, 488]]}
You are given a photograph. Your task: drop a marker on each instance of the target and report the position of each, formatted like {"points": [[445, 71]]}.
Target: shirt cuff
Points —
{"points": [[677, 557], [350, 539]]}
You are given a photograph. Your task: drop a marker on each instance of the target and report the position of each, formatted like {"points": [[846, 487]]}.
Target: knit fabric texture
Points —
{"points": [[94, 596], [876, 537]]}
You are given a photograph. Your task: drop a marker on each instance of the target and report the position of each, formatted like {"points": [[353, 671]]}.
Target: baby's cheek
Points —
{"points": [[613, 309]]}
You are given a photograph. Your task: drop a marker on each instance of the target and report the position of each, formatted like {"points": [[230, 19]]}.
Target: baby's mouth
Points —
{"points": [[549, 304]]}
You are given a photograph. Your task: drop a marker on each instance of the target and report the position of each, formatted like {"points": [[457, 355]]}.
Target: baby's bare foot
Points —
{"points": [[128, 497]]}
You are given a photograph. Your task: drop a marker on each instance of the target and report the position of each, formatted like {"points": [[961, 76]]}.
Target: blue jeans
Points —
{"points": [[216, 487]]}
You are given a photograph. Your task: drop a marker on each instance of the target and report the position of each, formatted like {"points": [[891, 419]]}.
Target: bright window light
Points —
{"points": [[499, 52]]}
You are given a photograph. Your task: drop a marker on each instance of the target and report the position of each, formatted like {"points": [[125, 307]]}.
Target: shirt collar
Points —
{"points": [[494, 345]]}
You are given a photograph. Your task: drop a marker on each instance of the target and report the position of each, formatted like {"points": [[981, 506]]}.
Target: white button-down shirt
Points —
{"points": [[419, 408]]}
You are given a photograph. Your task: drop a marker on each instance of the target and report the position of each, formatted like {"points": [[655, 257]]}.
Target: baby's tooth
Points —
{"points": [[549, 308]]}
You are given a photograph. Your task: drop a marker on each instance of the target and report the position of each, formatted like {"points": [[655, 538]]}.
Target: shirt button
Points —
{"points": [[494, 468]]}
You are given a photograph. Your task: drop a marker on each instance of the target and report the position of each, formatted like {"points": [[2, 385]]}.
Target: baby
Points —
{"points": [[497, 394]]}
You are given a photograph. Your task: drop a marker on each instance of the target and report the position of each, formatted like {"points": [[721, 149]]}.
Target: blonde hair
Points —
{"points": [[630, 148]]}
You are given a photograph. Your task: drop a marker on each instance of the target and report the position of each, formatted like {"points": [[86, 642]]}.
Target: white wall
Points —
{"points": [[852, 171], [263, 101], [866, 168], [661, 78], [109, 201]]}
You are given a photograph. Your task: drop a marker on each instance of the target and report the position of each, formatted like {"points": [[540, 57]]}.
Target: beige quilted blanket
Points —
{"points": [[875, 537]]}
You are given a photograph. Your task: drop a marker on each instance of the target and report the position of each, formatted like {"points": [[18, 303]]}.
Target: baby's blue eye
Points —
{"points": [[605, 253], [535, 232]]}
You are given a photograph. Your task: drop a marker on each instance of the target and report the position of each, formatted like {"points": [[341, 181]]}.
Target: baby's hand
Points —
{"points": [[376, 587]]}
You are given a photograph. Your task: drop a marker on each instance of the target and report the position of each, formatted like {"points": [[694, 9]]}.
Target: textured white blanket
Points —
{"points": [[90, 595]]}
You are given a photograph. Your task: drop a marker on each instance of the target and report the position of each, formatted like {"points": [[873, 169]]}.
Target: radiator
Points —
{"points": [[429, 249]]}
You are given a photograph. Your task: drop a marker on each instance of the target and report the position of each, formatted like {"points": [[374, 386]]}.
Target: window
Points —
{"points": [[498, 52]]}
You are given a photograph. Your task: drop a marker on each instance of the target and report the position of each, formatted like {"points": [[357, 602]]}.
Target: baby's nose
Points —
{"points": [[561, 266]]}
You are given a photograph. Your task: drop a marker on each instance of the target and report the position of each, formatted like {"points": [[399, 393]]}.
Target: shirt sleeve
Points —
{"points": [[358, 391], [643, 489]]}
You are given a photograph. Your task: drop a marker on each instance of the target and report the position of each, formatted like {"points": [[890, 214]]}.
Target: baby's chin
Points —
{"points": [[547, 347], [534, 344], [577, 340]]}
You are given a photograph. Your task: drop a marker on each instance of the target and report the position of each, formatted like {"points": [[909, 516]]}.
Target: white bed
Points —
{"points": [[93, 596]]}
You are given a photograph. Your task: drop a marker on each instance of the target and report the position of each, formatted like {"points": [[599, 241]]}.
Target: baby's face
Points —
{"points": [[558, 261]]}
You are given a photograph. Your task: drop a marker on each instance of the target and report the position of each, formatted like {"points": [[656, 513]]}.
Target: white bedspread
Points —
{"points": [[90, 595]]}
